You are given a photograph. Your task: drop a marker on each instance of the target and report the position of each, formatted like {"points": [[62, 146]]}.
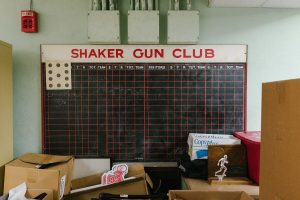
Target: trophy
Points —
{"points": [[223, 169]]}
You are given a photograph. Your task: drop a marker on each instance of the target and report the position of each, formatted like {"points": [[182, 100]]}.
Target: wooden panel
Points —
{"points": [[6, 128]]}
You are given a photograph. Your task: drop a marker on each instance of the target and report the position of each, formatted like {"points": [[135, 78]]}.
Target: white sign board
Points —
{"points": [[145, 53]]}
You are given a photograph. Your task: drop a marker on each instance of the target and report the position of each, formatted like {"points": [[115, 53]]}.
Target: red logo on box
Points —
{"points": [[116, 175]]}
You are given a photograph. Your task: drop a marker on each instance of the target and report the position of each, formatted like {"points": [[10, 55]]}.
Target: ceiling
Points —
{"points": [[255, 3]]}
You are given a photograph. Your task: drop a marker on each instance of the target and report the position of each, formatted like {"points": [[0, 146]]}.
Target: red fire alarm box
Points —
{"points": [[29, 22]]}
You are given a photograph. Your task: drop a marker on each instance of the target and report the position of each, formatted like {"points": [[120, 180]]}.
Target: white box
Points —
{"points": [[84, 167], [198, 143], [104, 27], [183, 27], [143, 27], [197, 153]]}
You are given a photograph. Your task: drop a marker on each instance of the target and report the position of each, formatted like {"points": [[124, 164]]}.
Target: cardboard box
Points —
{"points": [[203, 185], [198, 143], [31, 193], [207, 195], [88, 187], [56, 176], [280, 139]]}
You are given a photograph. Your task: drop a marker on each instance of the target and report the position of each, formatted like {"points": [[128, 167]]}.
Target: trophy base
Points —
{"points": [[230, 181]]}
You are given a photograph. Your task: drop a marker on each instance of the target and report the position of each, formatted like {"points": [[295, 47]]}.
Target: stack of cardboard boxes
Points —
{"points": [[53, 175]]}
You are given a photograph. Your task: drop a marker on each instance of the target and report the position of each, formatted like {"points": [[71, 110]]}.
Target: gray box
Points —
{"points": [[143, 27], [104, 27], [183, 27]]}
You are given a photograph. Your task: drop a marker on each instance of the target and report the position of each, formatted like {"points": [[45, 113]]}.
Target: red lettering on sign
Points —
{"points": [[193, 53], [119, 53], [148, 53], [74, 53], [82, 53], [101, 53], [92, 53], [199, 55], [142, 53], [209, 53], [174, 53], [137, 53], [185, 55], [97, 53], [159, 53]]}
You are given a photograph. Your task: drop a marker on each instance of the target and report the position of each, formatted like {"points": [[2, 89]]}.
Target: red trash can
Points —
{"points": [[252, 141]]}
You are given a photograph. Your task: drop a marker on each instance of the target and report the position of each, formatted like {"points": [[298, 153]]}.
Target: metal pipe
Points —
{"points": [[137, 5], [95, 4], [170, 4], [104, 5], [131, 5], [150, 4], [189, 4], [143, 4], [111, 5], [176, 5]]}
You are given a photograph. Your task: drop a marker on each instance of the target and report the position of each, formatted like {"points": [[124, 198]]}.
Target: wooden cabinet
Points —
{"points": [[6, 108], [6, 103]]}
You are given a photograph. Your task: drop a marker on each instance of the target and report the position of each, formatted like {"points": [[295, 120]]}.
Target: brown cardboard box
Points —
{"points": [[137, 186], [207, 195], [203, 185], [56, 176], [280, 141], [31, 193]]}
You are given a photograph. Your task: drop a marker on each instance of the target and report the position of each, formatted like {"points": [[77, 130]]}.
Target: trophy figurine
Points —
{"points": [[223, 168]]}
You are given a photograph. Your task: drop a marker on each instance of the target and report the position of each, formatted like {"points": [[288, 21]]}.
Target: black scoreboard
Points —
{"points": [[142, 111]]}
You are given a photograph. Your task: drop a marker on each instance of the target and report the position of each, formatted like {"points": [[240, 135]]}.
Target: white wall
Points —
{"points": [[273, 36]]}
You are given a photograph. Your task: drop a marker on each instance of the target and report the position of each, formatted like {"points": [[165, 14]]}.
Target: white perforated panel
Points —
{"points": [[58, 76]]}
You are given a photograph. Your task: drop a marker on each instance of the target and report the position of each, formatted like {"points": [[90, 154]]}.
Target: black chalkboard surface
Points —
{"points": [[142, 112]]}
